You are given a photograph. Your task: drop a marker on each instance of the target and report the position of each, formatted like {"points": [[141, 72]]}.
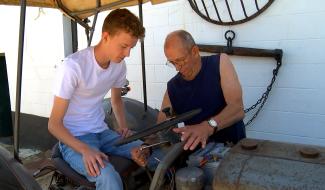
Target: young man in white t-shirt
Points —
{"points": [[77, 117]]}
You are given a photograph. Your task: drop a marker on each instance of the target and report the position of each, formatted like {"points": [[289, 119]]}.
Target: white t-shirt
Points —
{"points": [[84, 83]]}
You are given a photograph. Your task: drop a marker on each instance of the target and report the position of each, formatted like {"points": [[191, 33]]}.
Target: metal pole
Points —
{"points": [[70, 35], [143, 62], [19, 76], [92, 30], [74, 36]]}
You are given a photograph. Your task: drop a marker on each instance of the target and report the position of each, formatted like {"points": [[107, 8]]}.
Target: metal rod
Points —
{"points": [[69, 35], [74, 36], [257, 5], [194, 3], [92, 29], [241, 51], [143, 62], [19, 76], [153, 145], [243, 6], [205, 9], [215, 8], [229, 11]]}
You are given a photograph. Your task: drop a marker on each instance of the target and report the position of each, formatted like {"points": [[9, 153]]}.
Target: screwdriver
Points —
{"points": [[152, 145]]}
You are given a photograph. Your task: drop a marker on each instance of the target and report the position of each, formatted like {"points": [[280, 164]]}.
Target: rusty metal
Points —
{"points": [[206, 16], [248, 144], [190, 178], [240, 51], [281, 150], [309, 152], [273, 165]]}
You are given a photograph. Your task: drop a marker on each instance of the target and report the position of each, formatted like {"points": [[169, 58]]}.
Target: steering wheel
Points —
{"points": [[159, 127]]}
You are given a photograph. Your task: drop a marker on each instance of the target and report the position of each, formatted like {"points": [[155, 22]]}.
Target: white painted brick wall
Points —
{"points": [[43, 50], [295, 110]]}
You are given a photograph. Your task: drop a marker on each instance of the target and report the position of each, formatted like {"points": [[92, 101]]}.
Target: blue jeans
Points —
{"points": [[108, 179]]}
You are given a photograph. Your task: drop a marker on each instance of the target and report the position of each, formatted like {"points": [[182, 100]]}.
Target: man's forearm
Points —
{"points": [[118, 109], [63, 135], [228, 116]]}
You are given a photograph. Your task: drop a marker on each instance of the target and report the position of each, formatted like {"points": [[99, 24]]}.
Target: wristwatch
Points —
{"points": [[213, 123]]}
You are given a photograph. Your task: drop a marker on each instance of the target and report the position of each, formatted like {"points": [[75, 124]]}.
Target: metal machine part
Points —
{"points": [[261, 164], [208, 159], [190, 178], [136, 117], [153, 145], [170, 157]]}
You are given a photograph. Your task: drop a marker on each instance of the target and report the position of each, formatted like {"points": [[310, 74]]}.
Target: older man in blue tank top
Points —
{"points": [[209, 83]]}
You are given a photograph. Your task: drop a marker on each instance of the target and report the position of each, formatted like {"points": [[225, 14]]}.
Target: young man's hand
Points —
{"points": [[140, 156], [93, 161], [124, 132]]}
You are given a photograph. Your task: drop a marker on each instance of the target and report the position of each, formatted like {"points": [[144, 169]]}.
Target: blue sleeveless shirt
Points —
{"points": [[204, 92]]}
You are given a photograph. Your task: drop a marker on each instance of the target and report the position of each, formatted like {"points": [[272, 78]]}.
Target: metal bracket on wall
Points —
{"points": [[251, 52]]}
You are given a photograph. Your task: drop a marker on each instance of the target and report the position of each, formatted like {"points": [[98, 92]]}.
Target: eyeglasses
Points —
{"points": [[180, 63]]}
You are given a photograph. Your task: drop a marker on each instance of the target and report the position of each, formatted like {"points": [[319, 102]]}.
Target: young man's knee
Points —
{"points": [[108, 172], [109, 178]]}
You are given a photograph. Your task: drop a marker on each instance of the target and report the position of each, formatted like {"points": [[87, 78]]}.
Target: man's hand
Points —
{"points": [[93, 159], [124, 132], [140, 156], [195, 134]]}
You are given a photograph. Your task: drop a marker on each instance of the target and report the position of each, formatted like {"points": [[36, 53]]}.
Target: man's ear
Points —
{"points": [[105, 36], [195, 50]]}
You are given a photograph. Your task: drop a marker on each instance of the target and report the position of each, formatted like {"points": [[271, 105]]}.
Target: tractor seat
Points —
{"points": [[122, 165]]}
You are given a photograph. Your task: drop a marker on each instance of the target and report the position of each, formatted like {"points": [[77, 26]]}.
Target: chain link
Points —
{"points": [[261, 101]]}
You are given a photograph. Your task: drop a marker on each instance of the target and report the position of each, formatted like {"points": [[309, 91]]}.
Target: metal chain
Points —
{"points": [[265, 95]]}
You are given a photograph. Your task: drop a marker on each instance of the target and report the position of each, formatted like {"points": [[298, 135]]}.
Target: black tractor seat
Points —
{"points": [[122, 165]]}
